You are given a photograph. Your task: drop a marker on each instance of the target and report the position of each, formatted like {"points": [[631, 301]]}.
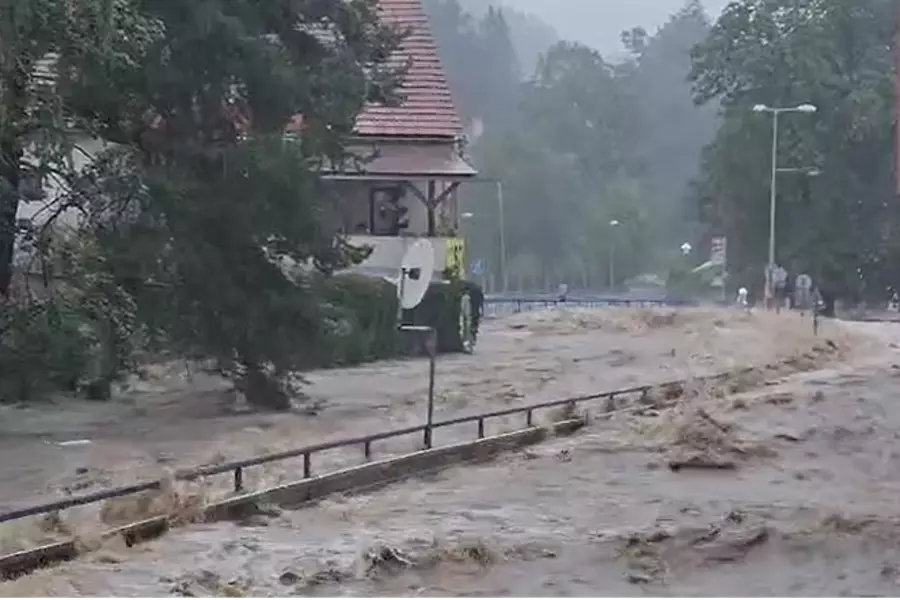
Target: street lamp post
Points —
{"points": [[773, 186], [501, 225], [612, 253], [504, 274]]}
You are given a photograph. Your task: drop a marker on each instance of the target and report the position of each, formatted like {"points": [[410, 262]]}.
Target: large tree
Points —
{"points": [[841, 226], [205, 211], [44, 44], [569, 169], [674, 130], [478, 57]]}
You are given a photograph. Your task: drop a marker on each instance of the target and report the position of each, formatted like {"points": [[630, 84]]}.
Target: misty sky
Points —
{"points": [[598, 23]]}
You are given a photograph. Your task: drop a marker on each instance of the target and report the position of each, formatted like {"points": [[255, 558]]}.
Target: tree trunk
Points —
{"points": [[10, 177], [10, 173]]}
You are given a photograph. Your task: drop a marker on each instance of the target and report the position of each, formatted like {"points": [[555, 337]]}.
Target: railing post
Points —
{"points": [[431, 345], [307, 468], [238, 479]]}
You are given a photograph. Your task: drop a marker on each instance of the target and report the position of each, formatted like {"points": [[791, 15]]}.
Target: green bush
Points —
{"points": [[41, 349], [362, 320], [683, 284], [64, 343]]}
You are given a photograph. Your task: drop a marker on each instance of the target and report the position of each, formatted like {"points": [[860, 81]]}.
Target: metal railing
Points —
{"points": [[498, 306], [237, 467]]}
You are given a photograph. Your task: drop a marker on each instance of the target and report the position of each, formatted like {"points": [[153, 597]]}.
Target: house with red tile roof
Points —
{"points": [[415, 148]]}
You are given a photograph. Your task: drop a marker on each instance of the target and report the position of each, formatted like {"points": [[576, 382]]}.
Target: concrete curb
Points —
{"points": [[352, 479]]}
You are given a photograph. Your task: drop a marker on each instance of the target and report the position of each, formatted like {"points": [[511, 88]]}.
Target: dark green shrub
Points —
{"points": [[41, 349], [59, 344]]}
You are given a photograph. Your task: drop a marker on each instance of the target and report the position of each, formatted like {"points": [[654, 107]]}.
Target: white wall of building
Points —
{"points": [[38, 212], [87, 149]]}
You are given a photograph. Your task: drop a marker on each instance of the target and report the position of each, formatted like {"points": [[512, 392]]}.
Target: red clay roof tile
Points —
{"points": [[427, 109]]}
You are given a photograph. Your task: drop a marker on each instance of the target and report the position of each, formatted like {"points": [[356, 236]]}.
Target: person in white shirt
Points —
{"points": [[742, 298]]}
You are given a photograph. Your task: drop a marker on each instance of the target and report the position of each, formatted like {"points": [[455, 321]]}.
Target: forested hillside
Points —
{"points": [[578, 141], [597, 23]]}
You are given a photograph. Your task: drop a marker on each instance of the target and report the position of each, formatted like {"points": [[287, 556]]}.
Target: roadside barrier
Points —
{"points": [[366, 475]]}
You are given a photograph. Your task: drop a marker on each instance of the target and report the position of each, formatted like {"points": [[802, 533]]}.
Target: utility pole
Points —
{"points": [[773, 196], [612, 253], [897, 98]]}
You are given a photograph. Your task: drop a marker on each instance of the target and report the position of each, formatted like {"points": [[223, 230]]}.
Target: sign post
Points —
{"points": [[718, 255], [430, 334]]}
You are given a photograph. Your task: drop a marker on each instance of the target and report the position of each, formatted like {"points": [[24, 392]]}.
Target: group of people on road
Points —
{"points": [[782, 291]]}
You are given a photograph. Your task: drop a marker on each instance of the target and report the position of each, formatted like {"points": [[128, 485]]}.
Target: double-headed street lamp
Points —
{"points": [[776, 112]]}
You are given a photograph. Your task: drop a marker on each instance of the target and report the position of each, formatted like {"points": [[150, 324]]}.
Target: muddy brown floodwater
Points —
{"points": [[806, 505]]}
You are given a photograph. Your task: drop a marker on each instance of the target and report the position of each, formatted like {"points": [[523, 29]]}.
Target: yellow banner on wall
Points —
{"points": [[455, 257]]}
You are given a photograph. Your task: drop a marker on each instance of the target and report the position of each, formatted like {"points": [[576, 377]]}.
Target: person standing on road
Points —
{"points": [[780, 288], [894, 302], [742, 299]]}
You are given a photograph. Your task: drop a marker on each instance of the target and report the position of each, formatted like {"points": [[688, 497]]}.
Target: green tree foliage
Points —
{"points": [[674, 130], [79, 331], [840, 226], [222, 213], [45, 45], [479, 59], [202, 213], [582, 141], [530, 35], [573, 172]]}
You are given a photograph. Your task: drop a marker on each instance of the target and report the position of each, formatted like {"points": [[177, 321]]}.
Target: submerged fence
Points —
{"points": [[237, 467]]}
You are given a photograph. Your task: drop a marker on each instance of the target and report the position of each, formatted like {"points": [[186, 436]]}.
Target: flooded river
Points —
{"points": [[804, 501]]}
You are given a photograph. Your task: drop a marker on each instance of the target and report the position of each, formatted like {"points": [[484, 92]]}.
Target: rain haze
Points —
{"points": [[452, 297], [599, 23]]}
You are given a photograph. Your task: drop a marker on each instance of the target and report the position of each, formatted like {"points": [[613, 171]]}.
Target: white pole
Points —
{"points": [[612, 252], [612, 261], [504, 276], [773, 189]]}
